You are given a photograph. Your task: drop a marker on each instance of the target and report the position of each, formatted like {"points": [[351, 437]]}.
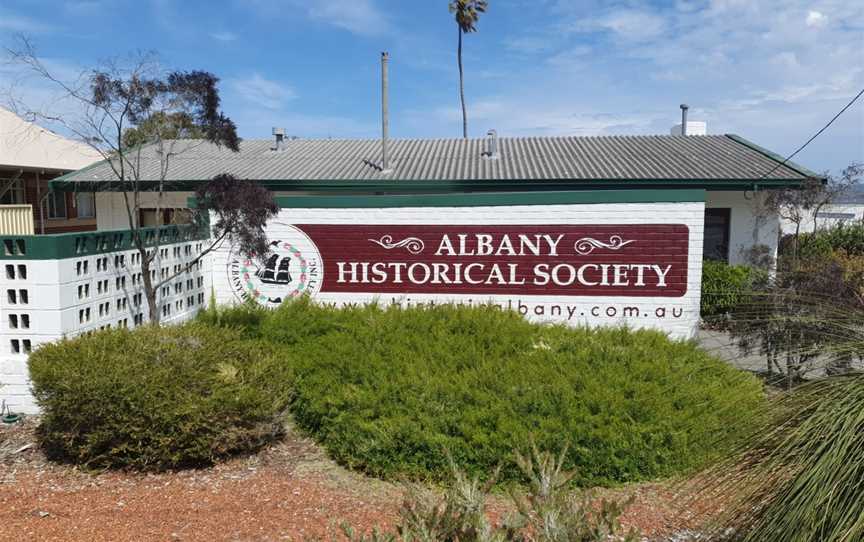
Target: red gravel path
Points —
{"points": [[289, 492]]}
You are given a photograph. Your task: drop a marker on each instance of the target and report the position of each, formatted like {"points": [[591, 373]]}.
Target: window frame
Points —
{"points": [[52, 206], [92, 197], [726, 214]]}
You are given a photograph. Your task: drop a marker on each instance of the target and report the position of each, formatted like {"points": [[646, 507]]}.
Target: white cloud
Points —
{"points": [[19, 23], [754, 68], [530, 44], [223, 36], [572, 58], [626, 24], [815, 19], [263, 92], [356, 16], [512, 117], [83, 7]]}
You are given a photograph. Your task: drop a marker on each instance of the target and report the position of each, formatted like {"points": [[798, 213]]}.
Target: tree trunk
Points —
{"points": [[462, 86], [149, 291]]}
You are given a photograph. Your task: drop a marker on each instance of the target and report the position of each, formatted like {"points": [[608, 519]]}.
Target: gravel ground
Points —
{"points": [[290, 491]]}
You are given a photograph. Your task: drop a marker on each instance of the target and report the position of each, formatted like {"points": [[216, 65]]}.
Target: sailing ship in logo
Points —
{"points": [[292, 267]]}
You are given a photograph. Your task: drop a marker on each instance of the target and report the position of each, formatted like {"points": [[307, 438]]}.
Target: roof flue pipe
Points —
{"points": [[385, 111], [684, 108], [279, 142], [492, 144]]}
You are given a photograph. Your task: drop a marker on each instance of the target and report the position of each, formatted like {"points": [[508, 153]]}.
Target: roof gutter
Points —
{"points": [[415, 186]]}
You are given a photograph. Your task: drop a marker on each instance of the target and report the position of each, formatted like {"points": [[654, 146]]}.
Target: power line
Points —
{"points": [[817, 134]]}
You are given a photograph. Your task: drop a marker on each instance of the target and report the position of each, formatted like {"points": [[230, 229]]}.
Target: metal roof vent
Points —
{"points": [[684, 108], [279, 143], [688, 127], [491, 145]]}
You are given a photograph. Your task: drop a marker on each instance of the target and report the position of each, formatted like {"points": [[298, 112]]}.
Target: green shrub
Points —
{"points": [[246, 318], [725, 287], [157, 398], [848, 238], [388, 390]]}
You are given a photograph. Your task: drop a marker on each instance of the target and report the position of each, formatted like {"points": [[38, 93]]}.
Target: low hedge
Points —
{"points": [[157, 398], [725, 287], [388, 390]]}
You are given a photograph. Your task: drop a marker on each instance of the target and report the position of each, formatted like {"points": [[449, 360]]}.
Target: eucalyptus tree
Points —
{"points": [[140, 118], [467, 13]]}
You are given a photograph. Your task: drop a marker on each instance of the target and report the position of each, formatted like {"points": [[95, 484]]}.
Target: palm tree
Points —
{"points": [[467, 12]]}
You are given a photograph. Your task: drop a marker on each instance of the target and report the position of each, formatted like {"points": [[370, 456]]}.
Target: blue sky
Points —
{"points": [[773, 71]]}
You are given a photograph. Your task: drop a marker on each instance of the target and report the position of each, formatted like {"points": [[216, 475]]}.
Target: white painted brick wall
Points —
{"points": [[690, 214], [746, 228]]}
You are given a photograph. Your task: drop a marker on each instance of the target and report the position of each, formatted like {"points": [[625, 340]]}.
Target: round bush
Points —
{"points": [[392, 391], [157, 398]]}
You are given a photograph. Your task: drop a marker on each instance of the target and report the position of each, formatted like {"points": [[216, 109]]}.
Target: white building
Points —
{"points": [[846, 209], [580, 230]]}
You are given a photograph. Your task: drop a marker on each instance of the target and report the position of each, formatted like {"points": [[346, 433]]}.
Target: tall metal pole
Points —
{"points": [[385, 110]]}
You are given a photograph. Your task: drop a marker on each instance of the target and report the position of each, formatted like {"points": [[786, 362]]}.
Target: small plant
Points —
{"points": [[548, 512], [725, 287], [555, 514]]}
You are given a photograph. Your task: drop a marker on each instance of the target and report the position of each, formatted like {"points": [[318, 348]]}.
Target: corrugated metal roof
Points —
{"points": [[657, 157]]}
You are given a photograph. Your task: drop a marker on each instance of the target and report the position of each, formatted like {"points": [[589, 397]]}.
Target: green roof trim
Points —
{"points": [[83, 244], [486, 199], [395, 186], [776, 157]]}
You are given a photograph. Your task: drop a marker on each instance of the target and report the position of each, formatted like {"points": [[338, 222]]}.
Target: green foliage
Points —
{"points": [[799, 478], [246, 318], [387, 390], [548, 512], [725, 286], [848, 238], [157, 398], [160, 126]]}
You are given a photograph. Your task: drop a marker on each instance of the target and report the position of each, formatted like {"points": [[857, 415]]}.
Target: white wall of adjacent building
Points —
{"points": [[749, 225], [829, 216], [111, 213]]}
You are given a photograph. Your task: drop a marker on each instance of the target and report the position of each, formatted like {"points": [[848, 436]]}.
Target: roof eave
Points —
{"points": [[414, 186]]}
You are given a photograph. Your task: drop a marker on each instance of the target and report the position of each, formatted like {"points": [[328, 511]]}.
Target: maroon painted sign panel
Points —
{"points": [[574, 260]]}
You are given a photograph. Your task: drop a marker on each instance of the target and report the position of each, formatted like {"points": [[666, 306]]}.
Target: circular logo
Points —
{"points": [[291, 268]]}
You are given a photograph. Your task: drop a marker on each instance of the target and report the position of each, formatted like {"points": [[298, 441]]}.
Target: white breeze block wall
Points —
{"points": [[586, 310], [44, 300], [748, 225]]}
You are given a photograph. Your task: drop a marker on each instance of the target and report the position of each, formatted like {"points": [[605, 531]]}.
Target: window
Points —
{"points": [[148, 217], [716, 244], [86, 203], [57, 205], [12, 190]]}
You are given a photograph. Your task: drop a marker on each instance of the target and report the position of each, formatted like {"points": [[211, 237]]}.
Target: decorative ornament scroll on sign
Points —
{"points": [[411, 244], [586, 245]]}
